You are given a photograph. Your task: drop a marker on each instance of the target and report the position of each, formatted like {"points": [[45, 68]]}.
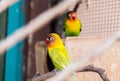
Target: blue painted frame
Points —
{"points": [[13, 66]]}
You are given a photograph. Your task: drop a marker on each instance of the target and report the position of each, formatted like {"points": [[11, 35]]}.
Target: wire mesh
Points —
{"points": [[100, 19]]}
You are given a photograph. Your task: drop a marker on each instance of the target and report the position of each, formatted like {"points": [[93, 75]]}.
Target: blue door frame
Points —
{"points": [[13, 62]]}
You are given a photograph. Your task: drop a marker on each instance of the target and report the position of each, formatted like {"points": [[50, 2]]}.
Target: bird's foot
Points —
{"points": [[55, 70]]}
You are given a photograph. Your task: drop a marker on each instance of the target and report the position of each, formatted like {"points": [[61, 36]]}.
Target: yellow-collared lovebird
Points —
{"points": [[72, 25], [57, 51]]}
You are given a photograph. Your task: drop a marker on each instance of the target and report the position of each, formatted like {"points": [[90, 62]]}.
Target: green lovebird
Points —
{"points": [[57, 52]]}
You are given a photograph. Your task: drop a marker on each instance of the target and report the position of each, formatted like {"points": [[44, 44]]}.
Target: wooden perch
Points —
{"points": [[98, 70], [90, 68]]}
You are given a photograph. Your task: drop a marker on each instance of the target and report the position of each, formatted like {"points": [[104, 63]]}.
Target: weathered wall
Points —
{"points": [[109, 60]]}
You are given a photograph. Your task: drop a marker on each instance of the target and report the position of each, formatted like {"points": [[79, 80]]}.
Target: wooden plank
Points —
{"points": [[41, 57], [3, 17], [13, 70]]}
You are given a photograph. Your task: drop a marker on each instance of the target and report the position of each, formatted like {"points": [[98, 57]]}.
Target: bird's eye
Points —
{"points": [[52, 38], [69, 15]]}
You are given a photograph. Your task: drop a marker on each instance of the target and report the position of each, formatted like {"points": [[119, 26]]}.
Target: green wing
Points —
{"points": [[80, 25], [64, 26], [60, 58]]}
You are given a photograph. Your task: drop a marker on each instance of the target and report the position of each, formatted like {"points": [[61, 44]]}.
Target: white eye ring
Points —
{"points": [[52, 38], [69, 15]]}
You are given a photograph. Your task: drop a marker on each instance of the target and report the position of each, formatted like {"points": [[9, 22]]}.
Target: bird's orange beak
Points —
{"points": [[47, 40], [73, 16]]}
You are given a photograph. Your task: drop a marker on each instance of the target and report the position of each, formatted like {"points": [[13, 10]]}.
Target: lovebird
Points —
{"points": [[58, 53], [72, 25]]}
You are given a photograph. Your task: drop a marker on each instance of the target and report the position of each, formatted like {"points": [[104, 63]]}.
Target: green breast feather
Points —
{"points": [[72, 28], [60, 58]]}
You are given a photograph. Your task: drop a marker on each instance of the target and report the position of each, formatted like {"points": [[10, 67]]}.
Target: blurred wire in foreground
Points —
{"points": [[4, 4]]}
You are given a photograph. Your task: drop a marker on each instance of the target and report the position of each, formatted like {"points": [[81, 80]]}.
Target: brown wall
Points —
{"points": [[37, 6], [33, 8]]}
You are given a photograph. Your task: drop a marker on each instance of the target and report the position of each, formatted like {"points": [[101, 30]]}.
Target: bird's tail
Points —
{"points": [[74, 77]]}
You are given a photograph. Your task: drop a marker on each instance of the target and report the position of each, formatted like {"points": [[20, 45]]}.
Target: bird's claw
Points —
{"points": [[55, 70]]}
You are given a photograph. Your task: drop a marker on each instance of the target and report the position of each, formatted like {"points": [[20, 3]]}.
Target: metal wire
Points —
{"points": [[101, 18]]}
